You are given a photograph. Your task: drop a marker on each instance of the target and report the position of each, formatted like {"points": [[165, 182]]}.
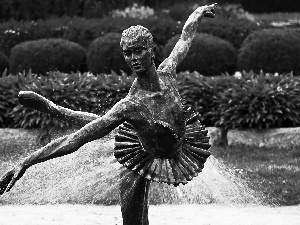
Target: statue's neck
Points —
{"points": [[149, 80]]}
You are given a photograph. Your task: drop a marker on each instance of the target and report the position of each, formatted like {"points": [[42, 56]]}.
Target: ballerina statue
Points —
{"points": [[158, 139]]}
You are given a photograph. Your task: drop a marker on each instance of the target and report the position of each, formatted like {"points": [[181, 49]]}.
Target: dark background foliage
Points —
{"points": [[252, 101], [260, 6], [82, 31], [3, 63], [271, 50], [35, 9], [86, 21], [28, 10], [105, 54], [46, 55]]}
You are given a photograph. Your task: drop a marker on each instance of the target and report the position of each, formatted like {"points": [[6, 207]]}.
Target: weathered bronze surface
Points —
{"points": [[158, 138]]}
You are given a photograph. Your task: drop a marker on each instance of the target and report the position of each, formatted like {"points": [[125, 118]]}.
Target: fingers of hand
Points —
{"points": [[10, 178], [213, 6], [16, 177], [5, 181], [210, 11], [11, 184]]}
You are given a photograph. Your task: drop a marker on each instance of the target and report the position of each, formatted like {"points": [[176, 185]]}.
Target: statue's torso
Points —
{"points": [[158, 119]]}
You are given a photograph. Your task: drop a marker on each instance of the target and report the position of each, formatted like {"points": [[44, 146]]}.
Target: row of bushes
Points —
{"points": [[251, 101], [271, 50], [209, 55], [84, 31]]}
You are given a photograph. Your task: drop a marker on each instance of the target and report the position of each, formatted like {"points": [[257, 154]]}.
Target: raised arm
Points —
{"points": [[70, 143], [38, 102], [182, 47]]}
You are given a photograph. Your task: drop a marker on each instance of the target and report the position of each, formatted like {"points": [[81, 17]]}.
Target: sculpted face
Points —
{"points": [[137, 56]]}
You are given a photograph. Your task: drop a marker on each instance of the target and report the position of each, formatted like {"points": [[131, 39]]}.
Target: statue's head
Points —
{"points": [[138, 48]]}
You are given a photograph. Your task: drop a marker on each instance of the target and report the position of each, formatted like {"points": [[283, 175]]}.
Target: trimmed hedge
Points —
{"points": [[105, 54], [3, 63], [208, 55], [13, 32], [271, 50], [82, 31], [46, 55], [233, 31]]}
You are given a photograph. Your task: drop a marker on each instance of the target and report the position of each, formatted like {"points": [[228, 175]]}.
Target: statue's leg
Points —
{"points": [[134, 191]]}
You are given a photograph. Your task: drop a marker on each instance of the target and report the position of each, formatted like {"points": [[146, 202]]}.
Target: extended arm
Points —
{"points": [[38, 102], [182, 47], [94, 130], [70, 143]]}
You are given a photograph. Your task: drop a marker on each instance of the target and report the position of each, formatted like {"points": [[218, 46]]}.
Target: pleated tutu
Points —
{"points": [[179, 169]]}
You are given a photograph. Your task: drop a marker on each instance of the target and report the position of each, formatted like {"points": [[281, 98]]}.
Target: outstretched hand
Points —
{"points": [[35, 101], [208, 10], [10, 178]]}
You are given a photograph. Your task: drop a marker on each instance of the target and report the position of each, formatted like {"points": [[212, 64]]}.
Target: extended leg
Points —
{"points": [[134, 191]]}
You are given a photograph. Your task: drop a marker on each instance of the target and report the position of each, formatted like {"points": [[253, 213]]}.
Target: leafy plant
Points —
{"points": [[252, 101], [77, 91], [201, 92], [259, 101]]}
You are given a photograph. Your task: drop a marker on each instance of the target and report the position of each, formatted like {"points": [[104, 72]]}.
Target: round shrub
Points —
{"points": [[271, 50], [180, 11], [209, 55], [46, 55], [105, 54], [3, 63], [234, 31]]}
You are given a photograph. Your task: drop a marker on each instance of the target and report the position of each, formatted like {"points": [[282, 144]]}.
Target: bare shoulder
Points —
{"points": [[123, 109], [168, 76], [168, 66]]}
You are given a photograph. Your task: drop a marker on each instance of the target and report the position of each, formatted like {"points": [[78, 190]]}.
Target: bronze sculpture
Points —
{"points": [[158, 140]]}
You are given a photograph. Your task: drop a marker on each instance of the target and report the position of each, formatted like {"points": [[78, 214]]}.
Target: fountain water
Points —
{"points": [[91, 175]]}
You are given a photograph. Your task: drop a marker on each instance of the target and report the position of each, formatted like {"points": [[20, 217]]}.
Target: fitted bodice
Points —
{"points": [[163, 113]]}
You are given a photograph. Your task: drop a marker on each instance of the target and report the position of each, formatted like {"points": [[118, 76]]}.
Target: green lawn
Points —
{"points": [[274, 171]]}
